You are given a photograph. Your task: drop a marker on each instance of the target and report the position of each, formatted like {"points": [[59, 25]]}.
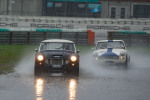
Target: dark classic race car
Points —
{"points": [[56, 55]]}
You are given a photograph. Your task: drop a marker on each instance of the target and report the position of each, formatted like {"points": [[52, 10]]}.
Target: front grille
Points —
{"points": [[56, 61], [109, 57]]}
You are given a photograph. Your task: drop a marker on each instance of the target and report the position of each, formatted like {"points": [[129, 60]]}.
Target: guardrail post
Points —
{"points": [[10, 38]]}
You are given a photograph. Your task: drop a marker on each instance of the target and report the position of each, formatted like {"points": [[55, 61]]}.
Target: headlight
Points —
{"points": [[122, 58], [40, 57], [73, 58], [96, 58], [122, 53]]}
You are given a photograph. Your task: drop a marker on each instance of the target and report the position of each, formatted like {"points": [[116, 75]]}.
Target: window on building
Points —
{"points": [[58, 4], [81, 5], [113, 12], [49, 4], [141, 11], [122, 13]]}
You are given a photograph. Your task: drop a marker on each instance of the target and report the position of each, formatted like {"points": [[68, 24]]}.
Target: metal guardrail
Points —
{"points": [[34, 36], [37, 37], [131, 39], [75, 20]]}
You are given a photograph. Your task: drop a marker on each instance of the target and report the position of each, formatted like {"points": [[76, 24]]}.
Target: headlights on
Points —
{"points": [[73, 58], [122, 54], [40, 57], [122, 58]]}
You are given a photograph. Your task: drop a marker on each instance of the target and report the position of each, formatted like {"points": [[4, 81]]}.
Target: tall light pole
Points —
{"points": [[108, 9], [65, 8], [7, 7], [86, 8], [21, 7]]}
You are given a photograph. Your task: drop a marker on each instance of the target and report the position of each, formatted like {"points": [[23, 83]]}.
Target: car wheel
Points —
{"points": [[76, 71], [126, 64], [73, 71]]}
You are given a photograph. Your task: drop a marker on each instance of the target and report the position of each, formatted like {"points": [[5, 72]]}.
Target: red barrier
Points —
{"points": [[91, 37]]}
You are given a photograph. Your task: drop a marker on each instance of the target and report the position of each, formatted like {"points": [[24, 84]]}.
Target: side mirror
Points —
{"points": [[78, 51], [36, 50]]}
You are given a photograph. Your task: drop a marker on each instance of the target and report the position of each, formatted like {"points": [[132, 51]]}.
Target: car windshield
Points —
{"points": [[115, 44], [57, 46]]}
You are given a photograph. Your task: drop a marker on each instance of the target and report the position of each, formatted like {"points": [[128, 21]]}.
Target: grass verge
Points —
{"points": [[10, 55]]}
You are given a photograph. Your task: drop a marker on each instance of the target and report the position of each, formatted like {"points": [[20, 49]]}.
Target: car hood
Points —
{"points": [[108, 52], [56, 54]]}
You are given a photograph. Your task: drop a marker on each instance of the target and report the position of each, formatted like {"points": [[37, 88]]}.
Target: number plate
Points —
{"points": [[56, 66]]}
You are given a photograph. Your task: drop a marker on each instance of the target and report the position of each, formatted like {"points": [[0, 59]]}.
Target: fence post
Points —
{"points": [[60, 35], [148, 39], [10, 38], [129, 39], [109, 36], [77, 38], [44, 35], [28, 37]]}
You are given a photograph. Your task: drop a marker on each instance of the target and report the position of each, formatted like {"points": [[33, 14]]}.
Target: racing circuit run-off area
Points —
{"points": [[94, 82], [74, 49]]}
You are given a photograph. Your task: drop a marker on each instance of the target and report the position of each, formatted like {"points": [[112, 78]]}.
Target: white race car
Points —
{"points": [[111, 52]]}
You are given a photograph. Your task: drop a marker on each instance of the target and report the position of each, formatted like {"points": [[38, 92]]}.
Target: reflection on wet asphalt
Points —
{"points": [[94, 82], [56, 87]]}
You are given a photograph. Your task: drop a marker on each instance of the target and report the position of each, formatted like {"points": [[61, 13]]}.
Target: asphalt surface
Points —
{"points": [[93, 83]]}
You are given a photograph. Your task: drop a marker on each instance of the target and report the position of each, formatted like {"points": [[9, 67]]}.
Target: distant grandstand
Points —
{"points": [[116, 9]]}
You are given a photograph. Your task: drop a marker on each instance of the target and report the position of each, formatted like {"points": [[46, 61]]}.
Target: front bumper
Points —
{"points": [[110, 60], [58, 65]]}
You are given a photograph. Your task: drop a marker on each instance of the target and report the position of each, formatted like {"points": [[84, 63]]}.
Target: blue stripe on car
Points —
{"points": [[109, 53], [109, 50]]}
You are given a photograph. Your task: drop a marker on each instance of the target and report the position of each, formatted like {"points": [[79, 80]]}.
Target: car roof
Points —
{"points": [[110, 40], [58, 40]]}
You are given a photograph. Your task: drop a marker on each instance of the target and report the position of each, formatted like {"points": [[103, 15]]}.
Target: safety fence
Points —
{"points": [[35, 36], [131, 38]]}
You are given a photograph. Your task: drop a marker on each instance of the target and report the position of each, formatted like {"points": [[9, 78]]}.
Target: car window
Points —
{"points": [[115, 44], [57, 46]]}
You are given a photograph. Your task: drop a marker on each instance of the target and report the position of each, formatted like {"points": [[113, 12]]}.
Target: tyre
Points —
{"points": [[73, 71], [126, 63], [76, 71]]}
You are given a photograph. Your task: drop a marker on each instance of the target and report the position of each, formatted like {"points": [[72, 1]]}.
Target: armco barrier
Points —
{"points": [[131, 38], [34, 36]]}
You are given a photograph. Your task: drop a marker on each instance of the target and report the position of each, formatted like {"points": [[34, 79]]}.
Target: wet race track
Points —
{"points": [[93, 82]]}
